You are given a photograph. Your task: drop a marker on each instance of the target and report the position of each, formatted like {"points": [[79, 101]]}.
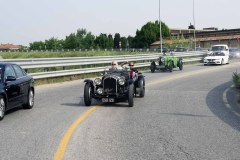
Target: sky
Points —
{"points": [[26, 21]]}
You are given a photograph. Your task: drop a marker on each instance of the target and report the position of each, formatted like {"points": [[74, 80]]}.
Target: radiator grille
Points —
{"points": [[110, 85]]}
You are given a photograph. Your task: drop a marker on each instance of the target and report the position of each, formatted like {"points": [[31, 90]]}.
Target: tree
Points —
{"points": [[150, 33], [101, 41], [52, 43], [117, 40], [37, 45], [110, 41], [88, 41], [80, 36], [130, 42], [123, 42], [71, 42]]}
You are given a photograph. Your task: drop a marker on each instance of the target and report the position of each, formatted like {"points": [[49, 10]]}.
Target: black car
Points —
{"points": [[114, 86], [16, 88]]}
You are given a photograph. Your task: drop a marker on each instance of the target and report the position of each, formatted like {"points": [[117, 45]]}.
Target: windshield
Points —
{"points": [[217, 54], [218, 48]]}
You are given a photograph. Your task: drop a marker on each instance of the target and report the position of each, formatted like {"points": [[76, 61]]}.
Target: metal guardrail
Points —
{"points": [[81, 61], [61, 73]]}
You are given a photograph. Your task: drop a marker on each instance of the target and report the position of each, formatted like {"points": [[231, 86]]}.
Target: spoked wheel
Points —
{"points": [[153, 67], [171, 66], [2, 108], [130, 95], [180, 65], [87, 94], [30, 100]]}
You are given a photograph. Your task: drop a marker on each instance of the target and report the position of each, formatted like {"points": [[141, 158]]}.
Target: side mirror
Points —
{"points": [[11, 78]]}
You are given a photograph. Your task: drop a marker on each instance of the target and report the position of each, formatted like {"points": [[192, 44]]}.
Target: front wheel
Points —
{"points": [[180, 65], [153, 67], [170, 66], [130, 95], [2, 108], [30, 100], [87, 94]]}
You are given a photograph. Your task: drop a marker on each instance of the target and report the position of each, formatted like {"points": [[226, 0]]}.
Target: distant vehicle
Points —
{"points": [[216, 57], [16, 88], [180, 49], [222, 48], [164, 49], [234, 52], [166, 63]]}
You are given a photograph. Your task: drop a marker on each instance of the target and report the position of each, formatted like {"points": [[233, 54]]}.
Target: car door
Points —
{"points": [[22, 82], [11, 87]]}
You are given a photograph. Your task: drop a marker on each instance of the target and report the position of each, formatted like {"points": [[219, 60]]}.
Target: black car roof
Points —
{"points": [[6, 63]]}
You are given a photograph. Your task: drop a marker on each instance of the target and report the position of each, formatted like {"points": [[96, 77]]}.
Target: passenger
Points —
{"points": [[133, 71]]}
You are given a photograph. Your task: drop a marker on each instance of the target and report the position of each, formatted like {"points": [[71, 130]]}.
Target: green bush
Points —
{"points": [[236, 79]]}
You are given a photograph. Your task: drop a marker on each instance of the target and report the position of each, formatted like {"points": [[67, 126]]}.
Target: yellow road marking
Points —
{"points": [[64, 141]]}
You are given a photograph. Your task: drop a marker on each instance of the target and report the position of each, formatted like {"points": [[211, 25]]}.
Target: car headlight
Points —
{"points": [[100, 91], [121, 81], [97, 81]]}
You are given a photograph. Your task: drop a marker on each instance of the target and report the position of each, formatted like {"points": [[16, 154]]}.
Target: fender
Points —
{"points": [[154, 63], [89, 81]]}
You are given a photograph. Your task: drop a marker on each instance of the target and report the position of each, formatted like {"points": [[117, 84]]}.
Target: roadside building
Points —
{"points": [[9, 47], [206, 37]]}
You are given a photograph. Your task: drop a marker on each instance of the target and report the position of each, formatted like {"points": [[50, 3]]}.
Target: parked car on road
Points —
{"points": [[16, 88]]}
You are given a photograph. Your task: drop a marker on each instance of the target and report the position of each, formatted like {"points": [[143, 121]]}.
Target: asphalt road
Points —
{"points": [[189, 114]]}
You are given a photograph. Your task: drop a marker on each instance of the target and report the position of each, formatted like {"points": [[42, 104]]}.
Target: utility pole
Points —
{"points": [[160, 26], [194, 26]]}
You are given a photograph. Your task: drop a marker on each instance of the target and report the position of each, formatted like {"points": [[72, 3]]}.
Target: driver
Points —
{"points": [[114, 65]]}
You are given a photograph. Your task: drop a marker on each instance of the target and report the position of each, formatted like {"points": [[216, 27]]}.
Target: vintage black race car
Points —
{"points": [[114, 86]]}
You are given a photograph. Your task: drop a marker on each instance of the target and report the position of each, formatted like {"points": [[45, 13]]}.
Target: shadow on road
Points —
{"points": [[216, 104]]}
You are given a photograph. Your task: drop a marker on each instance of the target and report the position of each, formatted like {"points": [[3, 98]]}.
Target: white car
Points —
{"points": [[216, 58]]}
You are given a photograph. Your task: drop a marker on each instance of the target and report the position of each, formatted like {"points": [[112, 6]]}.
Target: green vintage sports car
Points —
{"points": [[165, 63]]}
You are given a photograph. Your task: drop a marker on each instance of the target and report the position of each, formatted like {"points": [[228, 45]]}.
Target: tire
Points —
{"points": [[2, 108], [153, 67], [180, 65], [130, 95], [142, 87], [87, 94], [170, 66], [30, 100]]}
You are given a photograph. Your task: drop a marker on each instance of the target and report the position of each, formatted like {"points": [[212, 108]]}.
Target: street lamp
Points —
{"points": [[160, 27]]}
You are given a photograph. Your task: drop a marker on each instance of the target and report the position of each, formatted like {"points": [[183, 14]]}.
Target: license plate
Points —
{"points": [[107, 99]]}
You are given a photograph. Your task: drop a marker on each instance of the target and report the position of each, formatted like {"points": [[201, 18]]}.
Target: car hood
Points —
{"points": [[214, 57]]}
